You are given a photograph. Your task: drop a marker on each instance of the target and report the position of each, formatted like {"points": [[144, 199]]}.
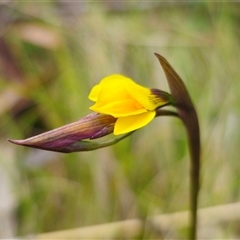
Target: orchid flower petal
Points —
{"points": [[119, 108], [131, 123], [122, 98]]}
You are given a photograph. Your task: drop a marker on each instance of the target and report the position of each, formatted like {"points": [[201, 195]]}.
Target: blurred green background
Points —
{"points": [[53, 53]]}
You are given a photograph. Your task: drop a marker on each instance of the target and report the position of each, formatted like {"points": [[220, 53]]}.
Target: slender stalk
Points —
{"points": [[161, 112], [188, 115]]}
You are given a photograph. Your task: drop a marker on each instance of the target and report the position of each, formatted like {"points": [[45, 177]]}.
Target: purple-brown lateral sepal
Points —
{"points": [[66, 138]]}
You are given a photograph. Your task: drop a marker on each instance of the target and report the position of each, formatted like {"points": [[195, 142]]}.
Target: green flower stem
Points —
{"points": [[90, 145]]}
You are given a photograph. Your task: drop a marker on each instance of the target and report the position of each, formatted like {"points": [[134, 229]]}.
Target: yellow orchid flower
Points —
{"points": [[133, 105]]}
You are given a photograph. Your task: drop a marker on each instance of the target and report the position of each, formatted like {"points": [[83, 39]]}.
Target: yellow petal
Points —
{"points": [[112, 97], [115, 80], [150, 99], [116, 87], [119, 96], [120, 108], [93, 95], [131, 123], [108, 85]]}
